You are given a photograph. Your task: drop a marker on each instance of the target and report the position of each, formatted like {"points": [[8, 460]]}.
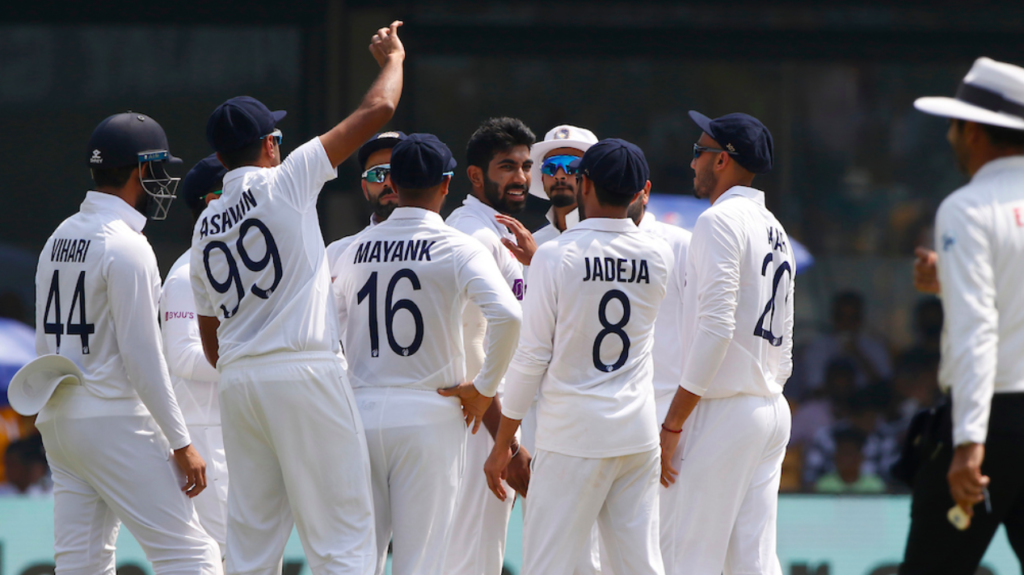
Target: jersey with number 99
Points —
{"points": [[738, 300], [258, 262]]}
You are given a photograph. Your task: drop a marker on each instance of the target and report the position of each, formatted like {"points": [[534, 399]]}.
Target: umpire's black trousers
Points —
{"points": [[934, 545]]}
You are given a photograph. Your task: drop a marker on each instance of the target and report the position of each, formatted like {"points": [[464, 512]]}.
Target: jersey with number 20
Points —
{"points": [[738, 300], [258, 261]]}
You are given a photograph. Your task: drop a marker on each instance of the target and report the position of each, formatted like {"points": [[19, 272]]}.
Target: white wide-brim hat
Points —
{"points": [[564, 136], [991, 93], [34, 383]]}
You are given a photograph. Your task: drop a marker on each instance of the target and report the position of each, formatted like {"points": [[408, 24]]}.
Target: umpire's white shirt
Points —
{"points": [[737, 334], [258, 261], [97, 288], [400, 293], [195, 380], [589, 356], [668, 371], [979, 235]]}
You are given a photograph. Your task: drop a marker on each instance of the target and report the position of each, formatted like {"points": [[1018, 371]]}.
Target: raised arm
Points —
{"points": [[379, 103]]}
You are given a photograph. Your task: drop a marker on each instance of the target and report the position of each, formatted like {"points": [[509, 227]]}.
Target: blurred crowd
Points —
{"points": [[852, 398]]}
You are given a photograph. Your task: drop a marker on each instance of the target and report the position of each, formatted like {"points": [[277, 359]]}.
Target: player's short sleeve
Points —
{"points": [[302, 175], [197, 271]]}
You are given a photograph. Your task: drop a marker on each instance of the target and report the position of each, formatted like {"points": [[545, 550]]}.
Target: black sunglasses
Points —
{"points": [[698, 150]]}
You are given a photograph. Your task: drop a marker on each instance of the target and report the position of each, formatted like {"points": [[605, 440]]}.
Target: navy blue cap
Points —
{"points": [[202, 178], [743, 136], [239, 122], [381, 141], [420, 161], [616, 166], [126, 139]]}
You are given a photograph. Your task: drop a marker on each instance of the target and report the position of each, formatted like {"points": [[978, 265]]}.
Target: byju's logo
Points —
{"points": [[96, 157], [518, 289]]}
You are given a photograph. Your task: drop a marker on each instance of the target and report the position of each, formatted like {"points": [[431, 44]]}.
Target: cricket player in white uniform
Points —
{"points": [[292, 433], [588, 326], [194, 379], [409, 279], [375, 160], [975, 466], [109, 441], [552, 179], [498, 154], [722, 458]]}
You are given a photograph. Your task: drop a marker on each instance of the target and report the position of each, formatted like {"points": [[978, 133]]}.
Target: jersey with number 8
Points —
{"points": [[739, 285], [588, 331], [258, 261]]}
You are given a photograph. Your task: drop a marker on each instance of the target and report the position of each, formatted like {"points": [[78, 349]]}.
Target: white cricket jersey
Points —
{"points": [[588, 330], [737, 334], [194, 379], [476, 219], [258, 260], [97, 287], [551, 231], [400, 293], [668, 370], [338, 247], [979, 236]]}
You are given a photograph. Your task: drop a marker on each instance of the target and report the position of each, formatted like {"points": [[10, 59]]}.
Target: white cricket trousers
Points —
{"points": [[415, 471], [212, 504], [590, 561], [297, 454], [111, 467], [481, 519], [568, 494], [720, 514]]}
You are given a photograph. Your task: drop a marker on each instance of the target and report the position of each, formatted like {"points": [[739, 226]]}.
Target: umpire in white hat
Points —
{"points": [[970, 474]]}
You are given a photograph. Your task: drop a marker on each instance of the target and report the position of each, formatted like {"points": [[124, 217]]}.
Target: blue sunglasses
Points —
{"points": [[551, 165]]}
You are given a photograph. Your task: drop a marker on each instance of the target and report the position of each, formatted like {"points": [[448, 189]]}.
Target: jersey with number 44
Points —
{"points": [[737, 332], [258, 262], [97, 287], [588, 331]]}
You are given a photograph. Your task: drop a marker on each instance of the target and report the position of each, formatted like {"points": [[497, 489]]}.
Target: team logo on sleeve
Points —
{"points": [[518, 289], [948, 240]]}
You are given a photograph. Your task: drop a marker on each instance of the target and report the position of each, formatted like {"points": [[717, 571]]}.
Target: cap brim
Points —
{"points": [[278, 115], [452, 164], [703, 122], [960, 110], [537, 153], [34, 383]]}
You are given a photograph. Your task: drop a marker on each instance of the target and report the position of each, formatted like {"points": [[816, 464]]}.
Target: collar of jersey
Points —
{"points": [[648, 220], [997, 166], [606, 225], [410, 213], [571, 219], [473, 204], [238, 173], [745, 192], [99, 202]]}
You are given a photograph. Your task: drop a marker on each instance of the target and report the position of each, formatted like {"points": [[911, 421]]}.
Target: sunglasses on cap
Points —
{"points": [[377, 174], [276, 134], [698, 150], [551, 165]]}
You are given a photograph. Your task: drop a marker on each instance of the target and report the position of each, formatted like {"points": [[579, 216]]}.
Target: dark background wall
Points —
{"points": [[859, 172]]}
